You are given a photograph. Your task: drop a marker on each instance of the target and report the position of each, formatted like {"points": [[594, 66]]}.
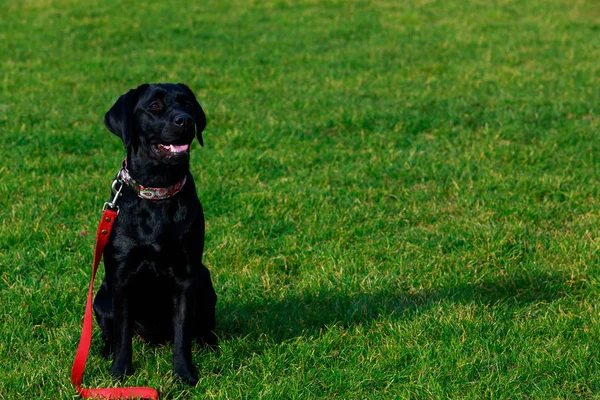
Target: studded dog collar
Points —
{"points": [[149, 193]]}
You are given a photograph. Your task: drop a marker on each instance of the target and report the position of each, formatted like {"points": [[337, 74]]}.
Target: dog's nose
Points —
{"points": [[181, 120]]}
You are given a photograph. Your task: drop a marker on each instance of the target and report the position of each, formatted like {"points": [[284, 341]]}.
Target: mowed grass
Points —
{"points": [[402, 197]]}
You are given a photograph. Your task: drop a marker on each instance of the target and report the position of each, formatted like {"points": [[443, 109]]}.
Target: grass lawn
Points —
{"points": [[402, 197]]}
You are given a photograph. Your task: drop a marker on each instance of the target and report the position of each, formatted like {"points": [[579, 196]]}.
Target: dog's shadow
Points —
{"points": [[309, 313]]}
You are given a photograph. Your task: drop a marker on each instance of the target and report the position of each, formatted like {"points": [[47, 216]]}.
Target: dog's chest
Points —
{"points": [[159, 241]]}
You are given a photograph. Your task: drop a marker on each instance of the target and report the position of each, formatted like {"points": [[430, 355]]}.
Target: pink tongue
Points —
{"points": [[179, 148]]}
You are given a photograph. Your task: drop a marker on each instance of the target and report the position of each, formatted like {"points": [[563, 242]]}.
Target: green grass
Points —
{"points": [[402, 197]]}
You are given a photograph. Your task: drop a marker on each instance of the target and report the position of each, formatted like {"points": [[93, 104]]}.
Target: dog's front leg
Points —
{"points": [[182, 331], [122, 334]]}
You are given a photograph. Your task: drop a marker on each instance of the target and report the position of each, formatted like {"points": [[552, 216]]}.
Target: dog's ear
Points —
{"points": [[199, 116], [120, 119]]}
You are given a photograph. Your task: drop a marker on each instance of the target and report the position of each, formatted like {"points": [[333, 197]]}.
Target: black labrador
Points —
{"points": [[155, 284]]}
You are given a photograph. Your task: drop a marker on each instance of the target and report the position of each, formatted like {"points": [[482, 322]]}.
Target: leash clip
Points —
{"points": [[117, 193]]}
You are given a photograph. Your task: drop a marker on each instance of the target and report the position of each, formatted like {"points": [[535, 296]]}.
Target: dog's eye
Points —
{"points": [[154, 105], [187, 105]]}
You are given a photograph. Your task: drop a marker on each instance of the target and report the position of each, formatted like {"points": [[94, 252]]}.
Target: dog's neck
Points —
{"points": [[152, 173]]}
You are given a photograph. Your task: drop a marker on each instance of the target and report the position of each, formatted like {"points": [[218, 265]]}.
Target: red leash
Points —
{"points": [[106, 223]]}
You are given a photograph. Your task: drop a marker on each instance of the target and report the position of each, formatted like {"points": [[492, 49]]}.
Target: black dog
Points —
{"points": [[155, 284]]}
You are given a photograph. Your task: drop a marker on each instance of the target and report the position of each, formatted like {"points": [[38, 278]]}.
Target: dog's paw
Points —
{"points": [[120, 370], [186, 374]]}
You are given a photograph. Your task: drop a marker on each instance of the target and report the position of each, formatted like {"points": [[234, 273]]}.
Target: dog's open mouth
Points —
{"points": [[169, 150]]}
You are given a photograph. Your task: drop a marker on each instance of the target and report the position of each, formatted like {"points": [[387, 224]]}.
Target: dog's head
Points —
{"points": [[160, 119]]}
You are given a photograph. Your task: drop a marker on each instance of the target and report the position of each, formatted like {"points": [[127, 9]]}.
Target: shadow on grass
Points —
{"points": [[308, 313]]}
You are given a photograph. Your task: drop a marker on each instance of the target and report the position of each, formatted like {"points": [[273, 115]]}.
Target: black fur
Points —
{"points": [[155, 284]]}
